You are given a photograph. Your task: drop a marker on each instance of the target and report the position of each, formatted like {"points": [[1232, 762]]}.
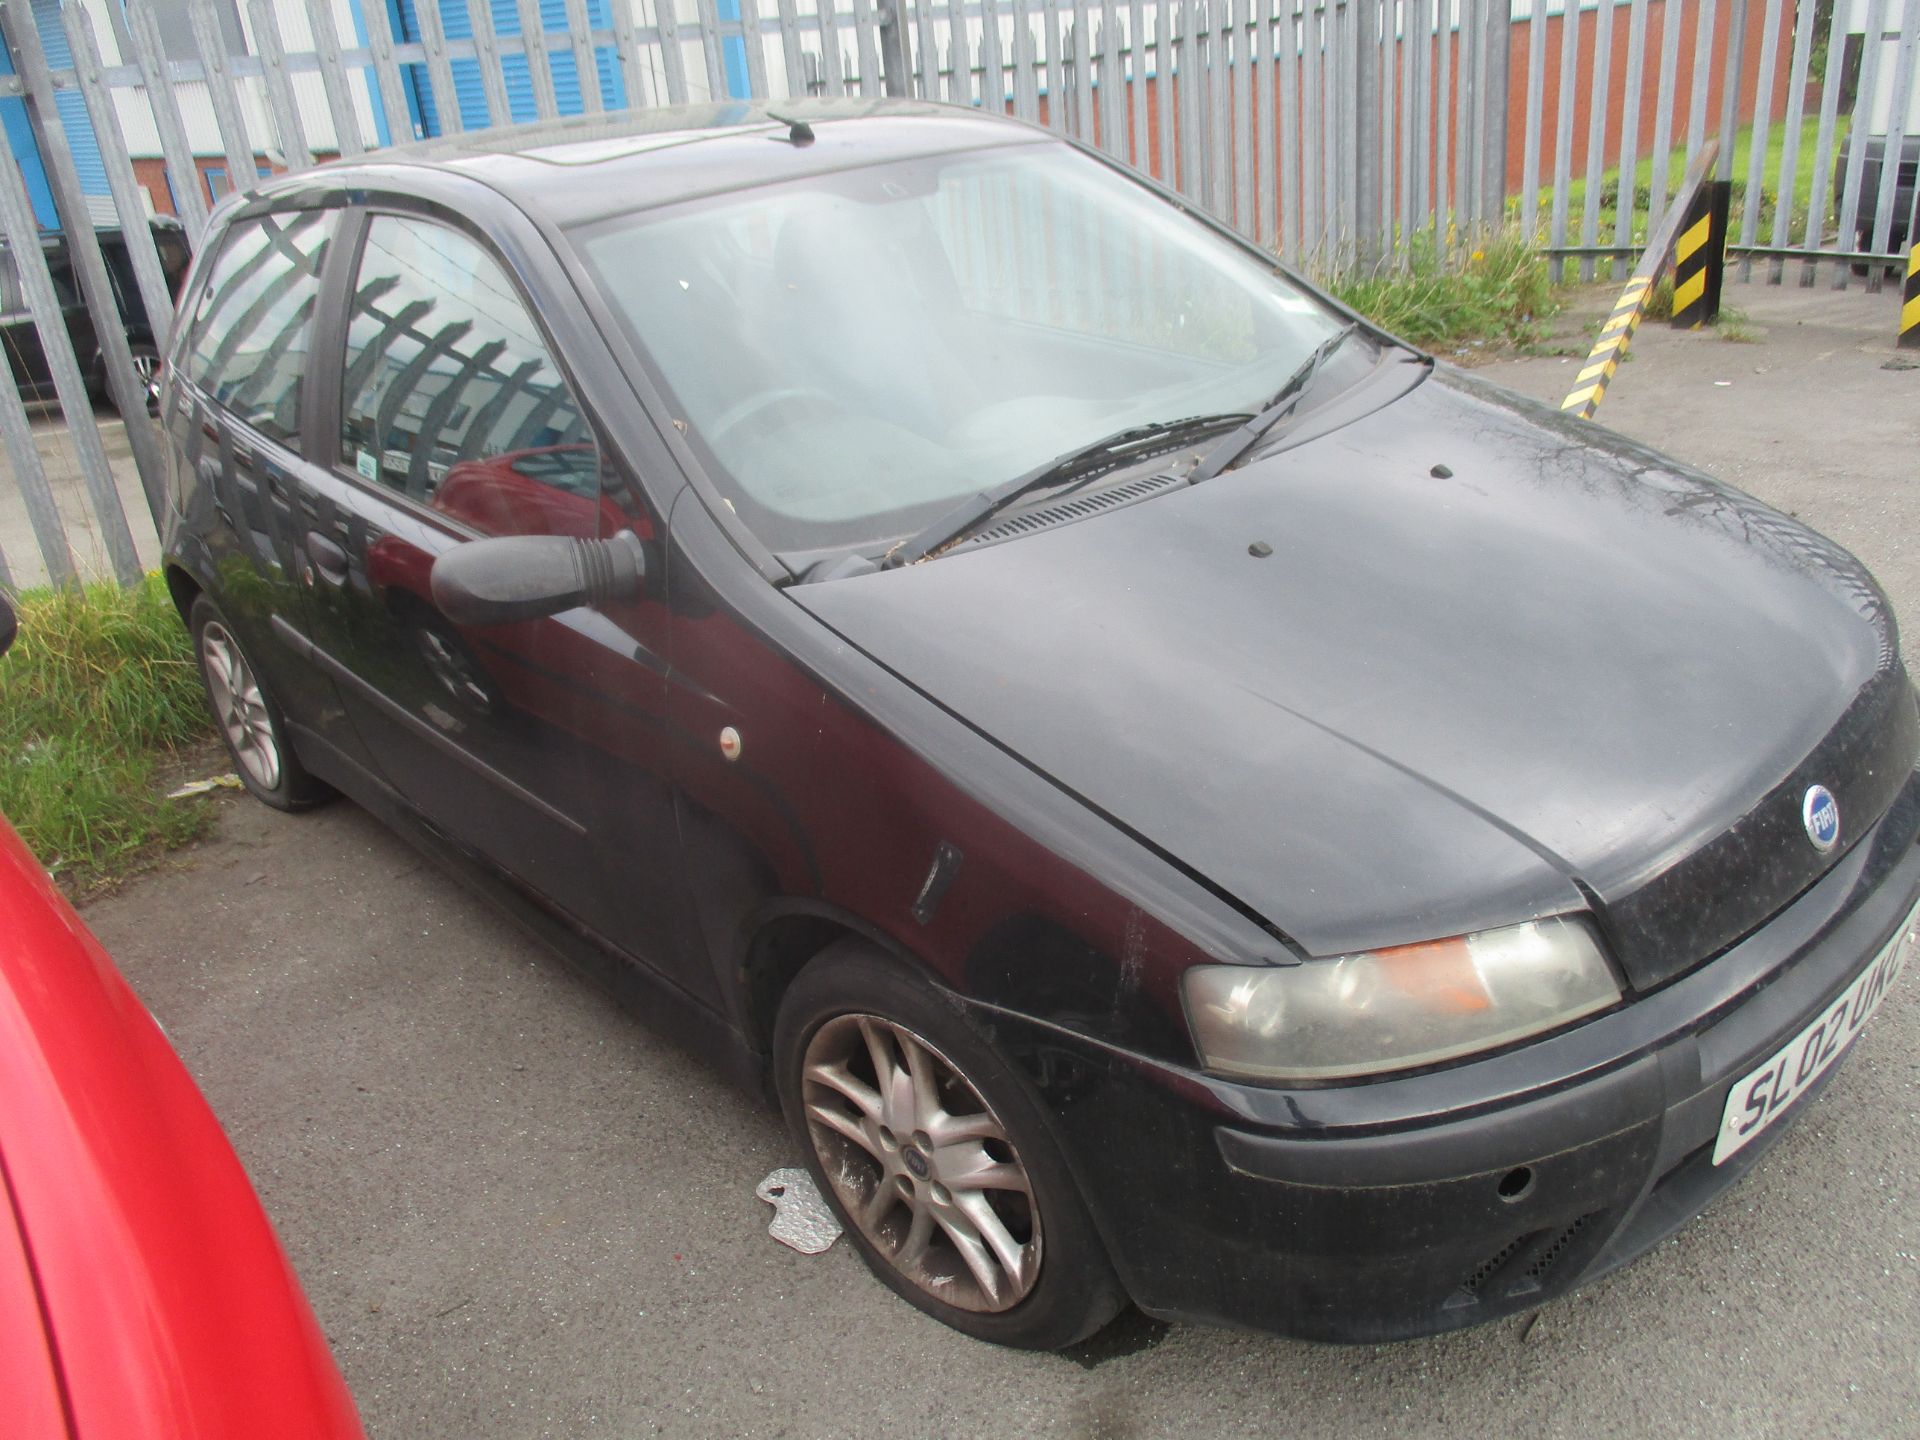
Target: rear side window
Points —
{"points": [[448, 392], [248, 346], [174, 256], [60, 271]]}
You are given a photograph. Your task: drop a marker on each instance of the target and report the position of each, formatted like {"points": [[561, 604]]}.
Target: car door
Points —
{"points": [[234, 433], [25, 357], [81, 332], [539, 745]]}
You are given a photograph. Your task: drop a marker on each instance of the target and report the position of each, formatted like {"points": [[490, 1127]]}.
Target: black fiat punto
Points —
{"points": [[1182, 798]]}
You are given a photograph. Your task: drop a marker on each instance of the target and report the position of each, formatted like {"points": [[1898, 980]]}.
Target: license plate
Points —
{"points": [[1769, 1092]]}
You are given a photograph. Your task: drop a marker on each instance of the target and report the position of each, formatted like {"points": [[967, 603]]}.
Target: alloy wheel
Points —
{"points": [[239, 706], [146, 369], [921, 1163]]}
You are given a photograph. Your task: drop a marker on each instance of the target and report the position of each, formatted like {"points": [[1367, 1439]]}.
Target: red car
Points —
{"points": [[142, 1291]]}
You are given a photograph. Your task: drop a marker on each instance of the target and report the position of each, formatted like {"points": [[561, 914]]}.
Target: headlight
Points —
{"points": [[1397, 1008]]}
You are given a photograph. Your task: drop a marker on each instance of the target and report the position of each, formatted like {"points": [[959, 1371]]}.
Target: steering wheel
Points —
{"points": [[751, 408]]}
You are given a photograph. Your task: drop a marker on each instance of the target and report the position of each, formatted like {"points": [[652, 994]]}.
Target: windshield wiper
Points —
{"points": [[1230, 450], [1083, 462]]}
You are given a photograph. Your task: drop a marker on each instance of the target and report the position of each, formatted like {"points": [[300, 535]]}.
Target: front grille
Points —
{"points": [[1737, 881]]}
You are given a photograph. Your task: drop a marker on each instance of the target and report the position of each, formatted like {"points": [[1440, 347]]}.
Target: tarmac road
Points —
{"points": [[521, 1212]]}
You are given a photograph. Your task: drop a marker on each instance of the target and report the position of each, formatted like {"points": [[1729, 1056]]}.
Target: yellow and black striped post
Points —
{"points": [[1909, 336], [1590, 385], [1699, 257]]}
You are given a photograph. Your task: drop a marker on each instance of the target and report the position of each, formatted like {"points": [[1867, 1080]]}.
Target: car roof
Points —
{"points": [[57, 240], [586, 167]]}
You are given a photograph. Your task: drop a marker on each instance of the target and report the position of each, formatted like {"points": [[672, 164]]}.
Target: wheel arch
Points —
{"points": [[183, 588], [787, 935]]}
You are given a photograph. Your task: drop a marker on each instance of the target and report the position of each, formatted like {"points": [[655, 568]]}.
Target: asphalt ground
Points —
{"points": [[85, 530], [520, 1211]]}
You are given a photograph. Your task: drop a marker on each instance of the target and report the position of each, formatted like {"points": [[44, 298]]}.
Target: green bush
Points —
{"points": [[97, 693]]}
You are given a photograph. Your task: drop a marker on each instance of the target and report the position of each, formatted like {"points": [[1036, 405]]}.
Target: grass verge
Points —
{"points": [[1497, 292], [1736, 168], [98, 696]]}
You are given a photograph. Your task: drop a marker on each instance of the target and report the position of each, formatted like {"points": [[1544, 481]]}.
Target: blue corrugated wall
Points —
{"points": [[472, 95]]}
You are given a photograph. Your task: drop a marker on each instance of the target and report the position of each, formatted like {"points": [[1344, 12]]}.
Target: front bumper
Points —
{"points": [[1406, 1207]]}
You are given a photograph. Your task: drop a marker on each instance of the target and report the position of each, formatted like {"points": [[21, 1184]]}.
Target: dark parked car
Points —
{"points": [[142, 1291], [1867, 209], [1872, 123], [21, 337], [1182, 798]]}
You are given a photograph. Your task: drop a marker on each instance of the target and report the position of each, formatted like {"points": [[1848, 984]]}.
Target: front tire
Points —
{"points": [[935, 1156], [248, 718]]}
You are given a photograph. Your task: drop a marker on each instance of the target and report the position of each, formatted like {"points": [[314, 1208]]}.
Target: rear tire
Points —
{"points": [[935, 1156], [248, 718], [146, 369]]}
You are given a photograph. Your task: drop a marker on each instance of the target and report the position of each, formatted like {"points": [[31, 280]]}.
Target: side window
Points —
{"points": [[65, 288], [248, 346], [449, 395]]}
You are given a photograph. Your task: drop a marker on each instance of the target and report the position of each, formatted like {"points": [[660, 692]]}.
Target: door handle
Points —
{"points": [[209, 469], [328, 559]]}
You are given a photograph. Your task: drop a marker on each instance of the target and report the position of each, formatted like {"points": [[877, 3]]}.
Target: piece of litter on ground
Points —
{"points": [[1723, 383], [201, 787], [800, 1216]]}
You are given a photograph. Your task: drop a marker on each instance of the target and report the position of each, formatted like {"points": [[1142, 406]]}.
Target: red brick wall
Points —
{"points": [[152, 173], [1687, 15]]}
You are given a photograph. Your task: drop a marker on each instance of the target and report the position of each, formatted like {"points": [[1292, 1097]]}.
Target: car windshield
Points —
{"points": [[853, 352]]}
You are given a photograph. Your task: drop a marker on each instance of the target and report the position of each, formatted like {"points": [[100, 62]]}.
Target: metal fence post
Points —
{"points": [[1366, 98], [1495, 37], [1907, 337], [896, 71], [282, 106], [1730, 86], [148, 275], [16, 433], [23, 40]]}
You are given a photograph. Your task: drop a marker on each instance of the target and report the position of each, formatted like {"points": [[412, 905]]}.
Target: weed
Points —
{"points": [[1659, 304], [98, 692], [1736, 327], [1494, 290]]}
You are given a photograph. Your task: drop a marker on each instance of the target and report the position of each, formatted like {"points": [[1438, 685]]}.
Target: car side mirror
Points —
{"points": [[525, 577], [9, 627]]}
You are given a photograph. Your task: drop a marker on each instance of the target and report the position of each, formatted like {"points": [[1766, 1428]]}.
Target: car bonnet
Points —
{"points": [[1455, 664]]}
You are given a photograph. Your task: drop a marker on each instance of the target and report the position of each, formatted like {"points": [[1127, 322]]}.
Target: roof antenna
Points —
{"points": [[799, 132]]}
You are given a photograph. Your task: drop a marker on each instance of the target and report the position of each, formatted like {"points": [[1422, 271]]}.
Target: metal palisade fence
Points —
{"points": [[1336, 133]]}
